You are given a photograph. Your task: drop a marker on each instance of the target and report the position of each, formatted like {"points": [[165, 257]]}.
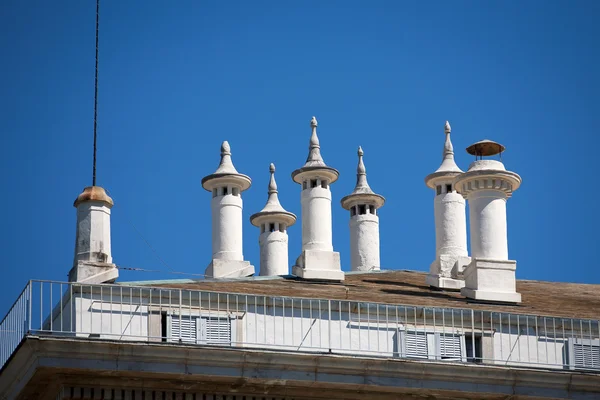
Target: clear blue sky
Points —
{"points": [[177, 78]]}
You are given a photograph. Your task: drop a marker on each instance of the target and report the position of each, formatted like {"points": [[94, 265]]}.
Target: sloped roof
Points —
{"points": [[556, 299]]}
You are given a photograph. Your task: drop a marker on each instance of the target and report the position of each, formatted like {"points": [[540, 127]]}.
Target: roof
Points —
{"points": [[556, 299]]}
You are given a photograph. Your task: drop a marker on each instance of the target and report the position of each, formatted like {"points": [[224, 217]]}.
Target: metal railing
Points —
{"points": [[196, 317]]}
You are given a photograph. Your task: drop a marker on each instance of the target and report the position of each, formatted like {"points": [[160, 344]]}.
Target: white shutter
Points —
{"points": [[585, 353], [450, 346], [183, 327], [217, 330], [415, 344]]}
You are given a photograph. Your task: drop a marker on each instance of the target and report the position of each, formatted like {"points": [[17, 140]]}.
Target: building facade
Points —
{"points": [[466, 329]]}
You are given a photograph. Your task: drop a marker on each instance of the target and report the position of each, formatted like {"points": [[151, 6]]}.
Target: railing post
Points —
{"points": [[329, 325], [29, 300]]}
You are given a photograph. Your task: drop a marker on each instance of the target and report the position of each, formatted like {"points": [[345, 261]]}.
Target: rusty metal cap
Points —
{"points": [[485, 148], [94, 193]]}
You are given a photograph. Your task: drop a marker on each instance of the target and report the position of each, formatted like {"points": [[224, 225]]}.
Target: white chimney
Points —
{"points": [[450, 223], [363, 205], [93, 259], [317, 260], [226, 186], [273, 221], [487, 185]]}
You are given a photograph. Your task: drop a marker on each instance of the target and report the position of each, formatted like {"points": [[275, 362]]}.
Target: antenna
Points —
{"points": [[96, 95]]}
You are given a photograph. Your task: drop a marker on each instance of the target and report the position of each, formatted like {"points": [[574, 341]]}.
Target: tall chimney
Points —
{"points": [[317, 260], [226, 186], [487, 185], [363, 205], [273, 221], [93, 257], [450, 222]]}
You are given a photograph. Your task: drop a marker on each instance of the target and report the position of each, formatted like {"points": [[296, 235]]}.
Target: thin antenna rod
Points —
{"points": [[96, 93]]}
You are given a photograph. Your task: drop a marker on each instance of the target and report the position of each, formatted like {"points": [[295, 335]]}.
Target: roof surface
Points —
{"points": [[555, 299]]}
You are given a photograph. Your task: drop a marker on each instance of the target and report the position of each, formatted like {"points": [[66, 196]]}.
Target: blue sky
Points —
{"points": [[178, 78]]}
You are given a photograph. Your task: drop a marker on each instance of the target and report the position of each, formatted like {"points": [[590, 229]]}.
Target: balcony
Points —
{"points": [[300, 325]]}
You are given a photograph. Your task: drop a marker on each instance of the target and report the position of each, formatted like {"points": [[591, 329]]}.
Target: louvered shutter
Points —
{"points": [[450, 346], [216, 330], [183, 328], [415, 344], [585, 353]]}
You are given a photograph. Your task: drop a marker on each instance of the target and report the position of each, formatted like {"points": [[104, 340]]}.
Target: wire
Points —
{"points": [[158, 270], [96, 94]]}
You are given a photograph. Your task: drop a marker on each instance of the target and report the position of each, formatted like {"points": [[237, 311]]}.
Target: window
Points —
{"points": [[224, 190], [304, 185], [583, 353], [352, 211], [313, 183], [372, 210], [282, 228], [235, 191], [435, 346], [271, 227], [438, 190], [473, 348], [362, 209], [198, 329], [324, 184], [214, 192], [448, 188]]}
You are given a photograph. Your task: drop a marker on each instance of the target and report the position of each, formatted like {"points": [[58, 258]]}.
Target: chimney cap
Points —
{"points": [[93, 193], [485, 148], [315, 165], [226, 172], [362, 191], [273, 210]]}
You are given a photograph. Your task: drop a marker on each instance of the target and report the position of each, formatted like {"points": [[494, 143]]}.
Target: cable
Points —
{"points": [[158, 270], [96, 94]]}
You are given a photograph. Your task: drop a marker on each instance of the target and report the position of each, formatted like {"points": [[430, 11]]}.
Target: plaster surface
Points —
{"points": [[364, 243], [227, 240], [273, 253]]}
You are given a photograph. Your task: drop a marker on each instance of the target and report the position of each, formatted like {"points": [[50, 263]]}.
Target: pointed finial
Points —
{"points": [[362, 186], [226, 165], [225, 149], [272, 183], [361, 170], [448, 149], [314, 152]]}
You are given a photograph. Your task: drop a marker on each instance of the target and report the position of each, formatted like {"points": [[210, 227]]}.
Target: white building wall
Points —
{"points": [[306, 325]]}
